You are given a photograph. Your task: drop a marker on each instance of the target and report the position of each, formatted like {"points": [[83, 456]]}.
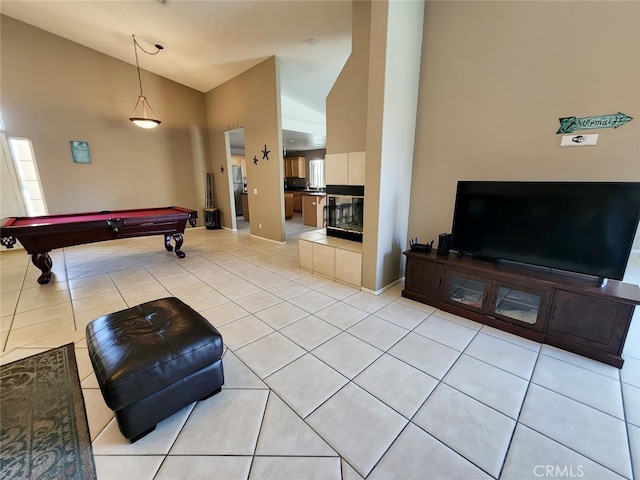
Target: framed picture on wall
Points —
{"points": [[80, 151]]}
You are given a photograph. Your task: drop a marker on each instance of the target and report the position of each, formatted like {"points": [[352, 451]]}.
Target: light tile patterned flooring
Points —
{"points": [[327, 382]]}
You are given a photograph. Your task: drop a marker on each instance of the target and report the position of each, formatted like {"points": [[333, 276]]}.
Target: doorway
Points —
{"points": [[304, 172], [237, 179]]}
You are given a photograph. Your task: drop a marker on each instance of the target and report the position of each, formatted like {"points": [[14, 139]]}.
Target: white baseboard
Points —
{"points": [[383, 289], [268, 239]]}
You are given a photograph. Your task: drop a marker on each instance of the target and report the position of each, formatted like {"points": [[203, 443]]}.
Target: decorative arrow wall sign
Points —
{"points": [[571, 124]]}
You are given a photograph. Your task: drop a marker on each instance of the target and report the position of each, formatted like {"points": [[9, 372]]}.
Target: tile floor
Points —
{"points": [[294, 226], [327, 382]]}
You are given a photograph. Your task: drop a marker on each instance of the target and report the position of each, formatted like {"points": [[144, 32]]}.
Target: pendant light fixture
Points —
{"points": [[140, 115]]}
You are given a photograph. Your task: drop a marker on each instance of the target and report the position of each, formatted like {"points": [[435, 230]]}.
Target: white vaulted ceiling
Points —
{"points": [[209, 42]]}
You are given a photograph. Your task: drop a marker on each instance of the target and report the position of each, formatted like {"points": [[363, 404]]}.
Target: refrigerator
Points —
{"points": [[238, 188]]}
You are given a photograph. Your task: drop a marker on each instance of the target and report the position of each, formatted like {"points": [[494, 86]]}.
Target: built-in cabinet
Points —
{"points": [[568, 311], [345, 168], [239, 161], [338, 259], [295, 167]]}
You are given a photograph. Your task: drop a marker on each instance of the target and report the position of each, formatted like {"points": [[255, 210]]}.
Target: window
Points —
{"points": [[316, 174], [25, 162]]}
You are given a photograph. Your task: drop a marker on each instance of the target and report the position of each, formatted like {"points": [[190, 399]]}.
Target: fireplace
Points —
{"points": [[345, 211]]}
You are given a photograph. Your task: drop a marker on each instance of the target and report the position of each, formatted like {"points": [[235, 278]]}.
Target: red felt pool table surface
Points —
{"points": [[90, 216], [40, 235]]}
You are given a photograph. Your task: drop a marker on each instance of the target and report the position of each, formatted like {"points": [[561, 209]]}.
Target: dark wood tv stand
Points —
{"points": [[564, 310]]}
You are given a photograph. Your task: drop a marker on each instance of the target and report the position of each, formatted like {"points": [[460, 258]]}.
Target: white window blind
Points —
{"points": [[27, 170], [316, 174]]}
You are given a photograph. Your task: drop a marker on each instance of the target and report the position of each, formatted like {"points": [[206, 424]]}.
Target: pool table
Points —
{"points": [[40, 235]]}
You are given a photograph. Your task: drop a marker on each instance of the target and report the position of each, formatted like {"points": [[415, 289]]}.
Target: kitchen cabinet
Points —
{"points": [[245, 206], [239, 161], [288, 206], [345, 168], [564, 310], [300, 167], [295, 167], [314, 210], [297, 202]]}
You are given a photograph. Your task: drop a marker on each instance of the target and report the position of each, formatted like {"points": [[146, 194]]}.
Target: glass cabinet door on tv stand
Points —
{"points": [[466, 290], [520, 305], [513, 303]]}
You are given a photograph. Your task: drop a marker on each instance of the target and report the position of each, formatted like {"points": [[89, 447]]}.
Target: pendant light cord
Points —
{"points": [[143, 121], [136, 45]]}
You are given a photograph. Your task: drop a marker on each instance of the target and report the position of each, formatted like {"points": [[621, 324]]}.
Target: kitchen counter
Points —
{"points": [[298, 193], [314, 194], [314, 209], [305, 191]]}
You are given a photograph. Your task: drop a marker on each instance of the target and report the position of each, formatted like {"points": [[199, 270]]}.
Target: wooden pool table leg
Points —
{"points": [[167, 243], [44, 263], [178, 239]]}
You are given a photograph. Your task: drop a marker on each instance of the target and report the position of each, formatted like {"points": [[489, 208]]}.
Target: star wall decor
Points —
{"points": [[255, 160], [221, 169], [265, 153]]}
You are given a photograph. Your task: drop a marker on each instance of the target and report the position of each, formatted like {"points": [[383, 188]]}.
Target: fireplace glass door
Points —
{"points": [[345, 216]]}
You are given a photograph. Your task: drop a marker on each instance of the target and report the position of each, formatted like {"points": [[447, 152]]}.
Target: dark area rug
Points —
{"points": [[44, 432]]}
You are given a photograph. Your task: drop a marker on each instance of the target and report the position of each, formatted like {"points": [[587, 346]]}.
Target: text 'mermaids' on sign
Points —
{"points": [[571, 124], [80, 151]]}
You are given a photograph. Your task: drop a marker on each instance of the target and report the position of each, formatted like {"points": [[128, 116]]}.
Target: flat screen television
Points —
{"points": [[580, 227]]}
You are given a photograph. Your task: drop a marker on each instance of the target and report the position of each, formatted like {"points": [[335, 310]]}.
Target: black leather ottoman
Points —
{"points": [[153, 360]]}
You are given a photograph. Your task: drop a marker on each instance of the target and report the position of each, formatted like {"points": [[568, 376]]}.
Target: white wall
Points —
{"points": [[394, 67], [496, 77], [54, 91]]}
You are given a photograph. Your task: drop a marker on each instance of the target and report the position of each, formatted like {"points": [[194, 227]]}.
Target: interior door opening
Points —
{"points": [[236, 169]]}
